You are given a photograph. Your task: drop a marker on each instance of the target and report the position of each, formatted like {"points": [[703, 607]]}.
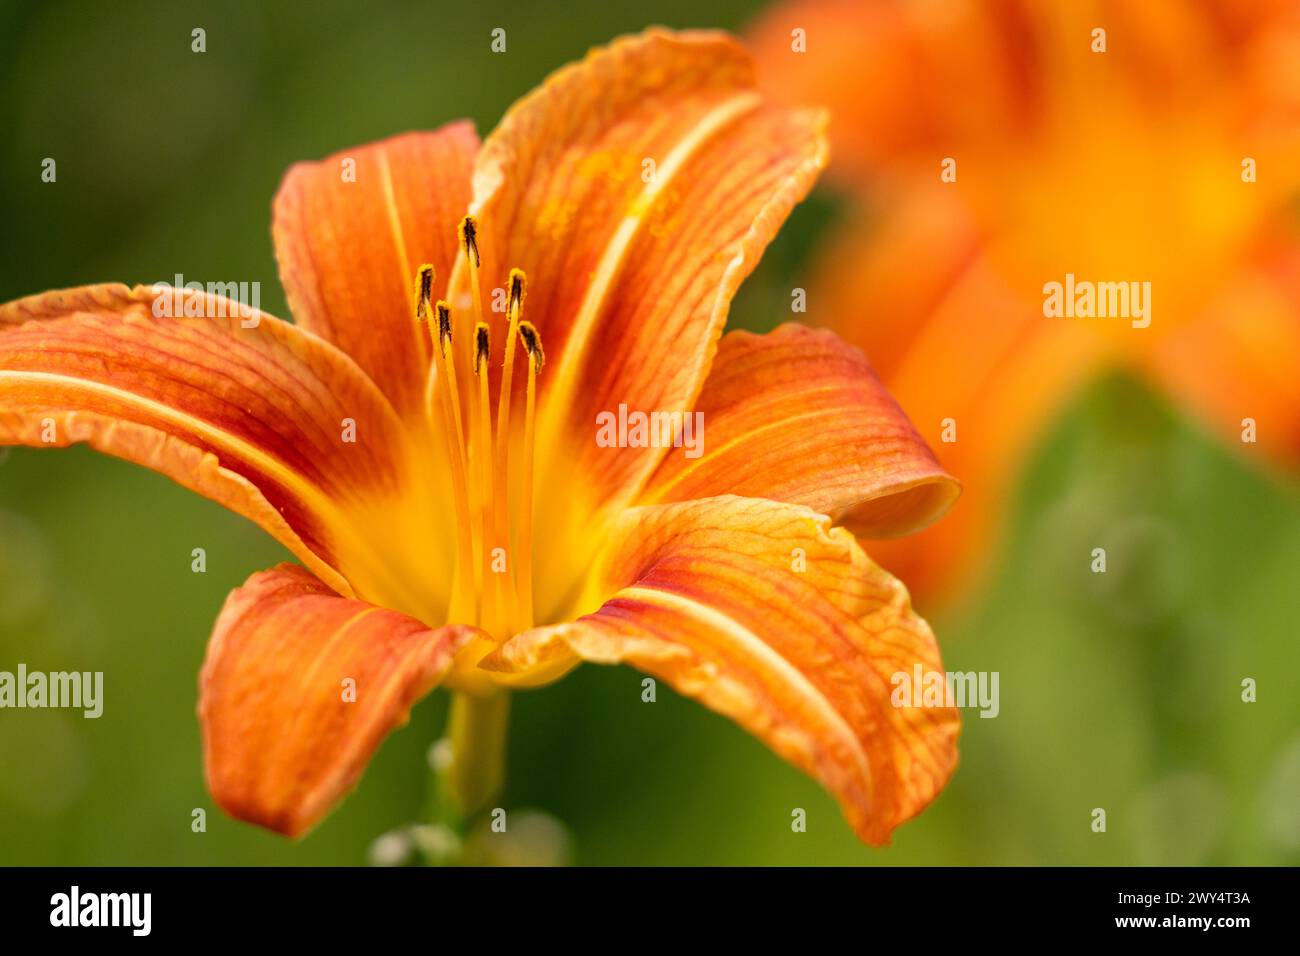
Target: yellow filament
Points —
{"points": [[465, 594], [524, 564], [489, 603], [469, 242], [516, 286], [479, 491], [501, 491]]}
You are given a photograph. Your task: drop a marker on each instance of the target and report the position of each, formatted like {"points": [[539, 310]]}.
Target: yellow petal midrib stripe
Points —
{"points": [[361, 551], [755, 648], [264, 461], [615, 252]]}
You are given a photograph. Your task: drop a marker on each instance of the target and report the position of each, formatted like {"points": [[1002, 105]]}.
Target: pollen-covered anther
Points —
{"points": [[423, 291], [532, 343], [482, 347], [444, 325], [469, 240], [517, 283]]}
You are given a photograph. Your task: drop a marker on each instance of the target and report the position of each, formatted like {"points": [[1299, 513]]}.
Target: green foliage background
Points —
{"points": [[1119, 691]]}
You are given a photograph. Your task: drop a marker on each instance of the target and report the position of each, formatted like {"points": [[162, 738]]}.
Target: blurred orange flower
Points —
{"points": [[997, 147]]}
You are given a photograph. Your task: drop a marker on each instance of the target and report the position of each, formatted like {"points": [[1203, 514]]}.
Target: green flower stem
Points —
{"points": [[477, 732]]}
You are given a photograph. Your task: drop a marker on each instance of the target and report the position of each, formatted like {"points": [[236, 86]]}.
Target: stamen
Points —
{"points": [[444, 325], [449, 405], [423, 291], [469, 242], [469, 238], [517, 280], [479, 491], [447, 370], [502, 490], [482, 347], [532, 343], [489, 601]]}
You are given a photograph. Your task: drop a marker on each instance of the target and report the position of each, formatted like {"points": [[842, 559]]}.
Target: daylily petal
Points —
{"points": [[250, 417], [300, 687], [350, 232], [767, 615], [636, 189], [799, 416]]}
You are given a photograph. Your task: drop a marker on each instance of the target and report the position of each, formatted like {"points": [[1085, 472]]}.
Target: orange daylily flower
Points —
{"points": [[1173, 157], [404, 441]]}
